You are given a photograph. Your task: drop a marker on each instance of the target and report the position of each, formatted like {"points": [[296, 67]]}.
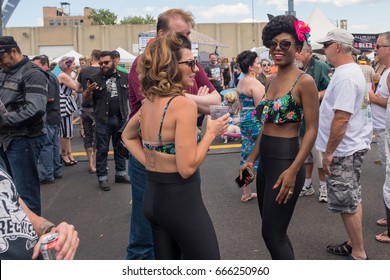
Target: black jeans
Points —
{"points": [[105, 131]]}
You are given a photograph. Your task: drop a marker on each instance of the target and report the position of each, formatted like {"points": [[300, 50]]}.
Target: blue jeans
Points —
{"points": [[105, 131], [21, 160], [50, 164], [141, 239]]}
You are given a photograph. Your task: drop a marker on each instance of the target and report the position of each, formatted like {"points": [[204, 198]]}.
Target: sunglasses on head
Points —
{"points": [[266, 64], [104, 62], [284, 45], [191, 63]]}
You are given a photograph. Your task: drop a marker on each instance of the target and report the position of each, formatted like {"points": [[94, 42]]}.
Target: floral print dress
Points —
{"points": [[250, 128]]}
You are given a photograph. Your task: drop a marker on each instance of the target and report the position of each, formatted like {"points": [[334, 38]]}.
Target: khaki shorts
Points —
{"points": [[344, 188], [315, 156]]}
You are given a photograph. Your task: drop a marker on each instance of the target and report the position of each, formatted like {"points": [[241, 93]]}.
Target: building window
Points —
{"points": [[59, 22], [64, 22], [70, 22], [81, 22], [51, 22], [76, 22]]}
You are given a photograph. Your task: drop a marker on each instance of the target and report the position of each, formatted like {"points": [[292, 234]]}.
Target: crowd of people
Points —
{"points": [[291, 112]]}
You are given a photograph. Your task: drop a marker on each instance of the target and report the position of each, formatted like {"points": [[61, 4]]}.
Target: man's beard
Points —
{"points": [[109, 72]]}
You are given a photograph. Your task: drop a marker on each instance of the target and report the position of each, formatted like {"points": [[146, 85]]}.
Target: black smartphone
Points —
{"points": [[246, 173]]}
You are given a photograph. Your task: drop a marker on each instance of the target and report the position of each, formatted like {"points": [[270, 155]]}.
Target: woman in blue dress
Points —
{"points": [[250, 92]]}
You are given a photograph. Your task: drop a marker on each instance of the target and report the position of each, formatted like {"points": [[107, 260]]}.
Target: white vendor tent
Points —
{"points": [[262, 52], [126, 57], [319, 25], [73, 53]]}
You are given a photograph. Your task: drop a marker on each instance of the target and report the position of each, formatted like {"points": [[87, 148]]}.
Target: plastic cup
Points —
{"points": [[217, 111]]}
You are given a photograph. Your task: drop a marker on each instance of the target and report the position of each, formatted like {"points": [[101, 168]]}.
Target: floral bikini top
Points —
{"points": [[282, 110], [168, 148]]}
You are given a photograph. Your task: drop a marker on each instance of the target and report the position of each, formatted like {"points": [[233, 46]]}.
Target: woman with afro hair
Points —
{"points": [[289, 95]]}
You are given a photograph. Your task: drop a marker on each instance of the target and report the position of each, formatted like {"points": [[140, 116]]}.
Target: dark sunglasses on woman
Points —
{"points": [[284, 45], [191, 63]]}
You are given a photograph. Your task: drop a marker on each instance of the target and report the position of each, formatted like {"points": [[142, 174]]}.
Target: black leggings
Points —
{"points": [[276, 155], [181, 225]]}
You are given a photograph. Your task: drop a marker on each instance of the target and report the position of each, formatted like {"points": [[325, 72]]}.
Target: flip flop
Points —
{"points": [[246, 199], [383, 237], [382, 222]]}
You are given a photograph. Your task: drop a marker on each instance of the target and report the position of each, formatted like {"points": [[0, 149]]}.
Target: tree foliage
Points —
{"points": [[148, 19], [103, 17]]}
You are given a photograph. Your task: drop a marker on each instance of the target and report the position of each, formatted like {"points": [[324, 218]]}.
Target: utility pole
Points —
{"points": [[291, 8], [253, 23], [1, 17]]}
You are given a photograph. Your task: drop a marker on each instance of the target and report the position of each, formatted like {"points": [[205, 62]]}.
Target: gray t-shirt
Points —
{"points": [[214, 71]]}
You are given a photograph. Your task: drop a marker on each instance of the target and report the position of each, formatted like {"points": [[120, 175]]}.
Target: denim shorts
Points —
{"points": [[344, 188]]}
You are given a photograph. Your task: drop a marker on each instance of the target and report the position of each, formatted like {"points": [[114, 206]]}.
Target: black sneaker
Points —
{"points": [[46, 182], [122, 179], [104, 185]]}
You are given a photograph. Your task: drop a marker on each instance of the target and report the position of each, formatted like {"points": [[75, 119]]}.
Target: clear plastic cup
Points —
{"points": [[217, 111]]}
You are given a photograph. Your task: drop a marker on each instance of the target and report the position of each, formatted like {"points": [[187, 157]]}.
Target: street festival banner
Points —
{"points": [[365, 42]]}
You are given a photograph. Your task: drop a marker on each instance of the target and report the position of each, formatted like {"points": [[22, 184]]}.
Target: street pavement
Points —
{"points": [[102, 218]]}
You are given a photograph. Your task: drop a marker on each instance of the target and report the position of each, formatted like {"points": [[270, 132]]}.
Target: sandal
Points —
{"points": [[246, 199], [341, 250], [383, 237], [350, 257], [382, 222], [66, 162], [72, 159]]}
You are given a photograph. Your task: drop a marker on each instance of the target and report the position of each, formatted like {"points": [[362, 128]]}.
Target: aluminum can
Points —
{"points": [[48, 243]]}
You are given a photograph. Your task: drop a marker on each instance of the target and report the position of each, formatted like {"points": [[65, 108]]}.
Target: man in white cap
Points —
{"points": [[344, 136]]}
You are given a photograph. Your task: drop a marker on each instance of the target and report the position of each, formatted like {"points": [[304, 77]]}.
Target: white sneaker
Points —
{"points": [[323, 196], [307, 190]]}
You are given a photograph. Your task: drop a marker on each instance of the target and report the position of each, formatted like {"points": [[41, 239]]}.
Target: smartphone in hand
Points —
{"points": [[246, 173]]}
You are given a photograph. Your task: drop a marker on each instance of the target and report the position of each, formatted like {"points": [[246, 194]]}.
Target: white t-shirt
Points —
{"points": [[379, 112], [346, 92]]}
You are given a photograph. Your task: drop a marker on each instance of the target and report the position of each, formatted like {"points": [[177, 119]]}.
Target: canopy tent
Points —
{"points": [[126, 57], [73, 53], [199, 38], [319, 25], [262, 52]]}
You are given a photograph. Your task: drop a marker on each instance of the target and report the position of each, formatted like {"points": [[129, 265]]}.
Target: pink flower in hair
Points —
{"points": [[302, 29]]}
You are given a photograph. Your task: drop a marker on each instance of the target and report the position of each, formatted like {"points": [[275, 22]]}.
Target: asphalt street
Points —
{"points": [[102, 218]]}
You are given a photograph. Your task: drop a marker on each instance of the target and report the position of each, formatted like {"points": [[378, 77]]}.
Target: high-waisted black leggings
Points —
{"points": [[276, 155], [181, 225]]}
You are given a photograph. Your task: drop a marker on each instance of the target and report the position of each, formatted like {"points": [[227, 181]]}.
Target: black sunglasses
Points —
{"points": [[265, 64], [190, 62], [104, 62], [327, 44], [283, 45], [381, 46]]}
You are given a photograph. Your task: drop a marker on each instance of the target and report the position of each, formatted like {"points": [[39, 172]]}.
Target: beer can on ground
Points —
{"points": [[48, 243]]}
